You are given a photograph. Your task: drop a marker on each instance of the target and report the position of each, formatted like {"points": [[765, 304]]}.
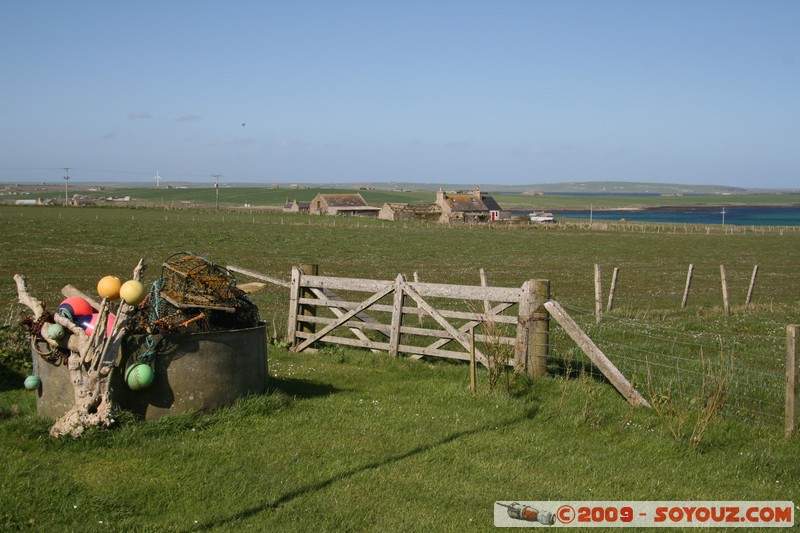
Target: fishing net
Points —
{"points": [[194, 295]]}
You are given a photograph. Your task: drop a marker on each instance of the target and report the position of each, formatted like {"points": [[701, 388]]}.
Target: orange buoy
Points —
{"points": [[108, 287]]}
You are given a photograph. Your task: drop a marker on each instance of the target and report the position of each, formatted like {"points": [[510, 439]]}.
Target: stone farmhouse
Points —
{"points": [[296, 207], [396, 211], [342, 204], [467, 207], [472, 207]]}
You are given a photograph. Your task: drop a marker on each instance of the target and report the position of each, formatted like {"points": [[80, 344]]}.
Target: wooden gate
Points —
{"points": [[325, 309], [386, 328]]}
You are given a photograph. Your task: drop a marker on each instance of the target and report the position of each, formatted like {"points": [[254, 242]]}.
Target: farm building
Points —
{"points": [[81, 201], [28, 202], [296, 207], [472, 207], [396, 211], [342, 204]]}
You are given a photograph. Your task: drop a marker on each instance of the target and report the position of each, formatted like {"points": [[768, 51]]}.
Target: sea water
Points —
{"points": [[735, 215]]}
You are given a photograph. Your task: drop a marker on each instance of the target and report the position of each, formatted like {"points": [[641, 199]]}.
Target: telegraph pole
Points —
{"points": [[66, 193], [216, 188]]}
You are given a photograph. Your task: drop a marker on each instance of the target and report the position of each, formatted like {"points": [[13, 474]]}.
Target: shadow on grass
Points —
{"points": [[301, 388], [576, 369], [309, 490], [10, 379]]}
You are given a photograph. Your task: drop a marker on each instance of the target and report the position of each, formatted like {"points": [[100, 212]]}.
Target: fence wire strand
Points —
{"points": [[661, 360]]}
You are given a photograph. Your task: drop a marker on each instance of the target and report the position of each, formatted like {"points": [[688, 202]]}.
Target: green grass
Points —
{"points": [[356, 441], [352, 441]]}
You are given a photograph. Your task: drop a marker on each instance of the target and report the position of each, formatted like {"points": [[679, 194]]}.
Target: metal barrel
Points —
{"points": [[193, 372]]}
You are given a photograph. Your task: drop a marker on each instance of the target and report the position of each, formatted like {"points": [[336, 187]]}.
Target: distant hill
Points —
{"points": [[574, 187], [586, 187]]}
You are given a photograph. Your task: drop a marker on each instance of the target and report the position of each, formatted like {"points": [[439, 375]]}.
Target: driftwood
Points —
{"points": [[90, 362]]}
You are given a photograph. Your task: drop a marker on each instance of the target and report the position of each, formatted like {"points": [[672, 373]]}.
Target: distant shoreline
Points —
{"points": [[682, 208], [738, 215], [677, 208]]}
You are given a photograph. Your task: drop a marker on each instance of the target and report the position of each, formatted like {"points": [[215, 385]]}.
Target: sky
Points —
{"points": [[498, 92]]}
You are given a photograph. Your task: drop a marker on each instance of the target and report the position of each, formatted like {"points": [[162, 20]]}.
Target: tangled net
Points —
{"points": [[194, 295]]}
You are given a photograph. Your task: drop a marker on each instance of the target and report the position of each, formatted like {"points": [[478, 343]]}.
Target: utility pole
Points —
{"points": [[216, 188], [66, 193]]}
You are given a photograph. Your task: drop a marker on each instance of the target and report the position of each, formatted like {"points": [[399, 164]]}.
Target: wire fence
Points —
{"points": [[681, 362]]}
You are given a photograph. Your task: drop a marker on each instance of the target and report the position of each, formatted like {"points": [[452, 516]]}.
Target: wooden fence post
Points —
{"points": [[294, 295], [688, 285], [598, 295], [792, 376], [473, 377], [533, 334], [420, 314], [613, 289], [397, 316], [487, 307], [725, 301], [752, 285], [308, 310], [541, 327], [523, 328]]}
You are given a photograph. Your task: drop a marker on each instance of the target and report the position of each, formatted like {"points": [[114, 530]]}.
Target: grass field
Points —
{"points": [[347, 440]]}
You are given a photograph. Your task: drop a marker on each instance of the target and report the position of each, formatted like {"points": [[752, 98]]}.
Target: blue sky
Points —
{"points": [[470, 91]]}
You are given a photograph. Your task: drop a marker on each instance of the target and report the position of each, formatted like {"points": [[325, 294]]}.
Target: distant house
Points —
{"points": [[396, 211], [296, 207], [471, 207], [342, 204], [81, 201], [28, 202]]}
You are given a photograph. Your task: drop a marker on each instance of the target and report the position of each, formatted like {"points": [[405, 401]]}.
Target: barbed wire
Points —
{"points": [[681, 363]]}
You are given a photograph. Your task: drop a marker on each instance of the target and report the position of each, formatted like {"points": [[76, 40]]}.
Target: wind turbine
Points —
{"points": [[158, 180]]}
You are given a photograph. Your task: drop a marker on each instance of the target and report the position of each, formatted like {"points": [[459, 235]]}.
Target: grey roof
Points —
{"points": [[343, 200]]}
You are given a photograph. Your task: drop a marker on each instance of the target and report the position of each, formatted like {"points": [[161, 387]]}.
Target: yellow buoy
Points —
{"points": [[132, 292]]}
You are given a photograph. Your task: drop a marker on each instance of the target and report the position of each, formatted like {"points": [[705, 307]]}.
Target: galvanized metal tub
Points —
{"points": [[193, 372]]}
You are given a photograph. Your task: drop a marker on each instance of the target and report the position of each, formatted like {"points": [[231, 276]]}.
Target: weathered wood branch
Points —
{"points": [[259, 275], [90, 362], [70, 291], [25, 298]]}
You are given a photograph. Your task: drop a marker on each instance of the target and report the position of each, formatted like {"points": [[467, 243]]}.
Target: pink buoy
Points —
{"points": [[85, 321], [88, 323], [77, 307]]}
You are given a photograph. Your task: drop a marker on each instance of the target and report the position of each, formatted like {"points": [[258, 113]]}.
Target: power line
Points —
{"points": [[66, 179], [216, 188]]}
